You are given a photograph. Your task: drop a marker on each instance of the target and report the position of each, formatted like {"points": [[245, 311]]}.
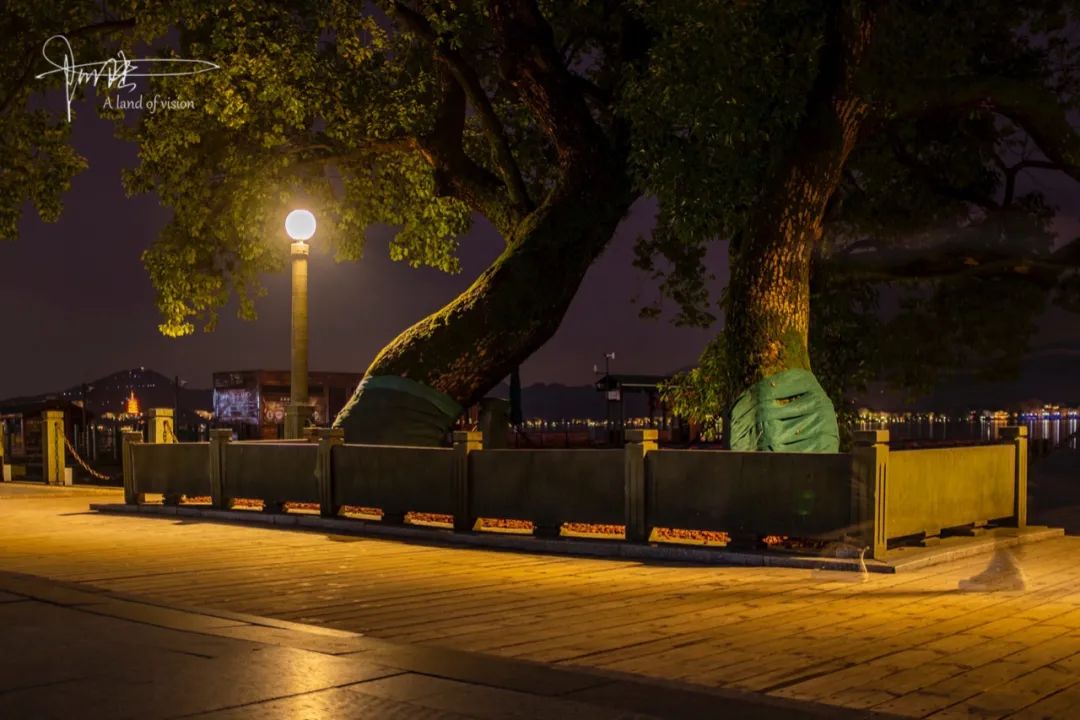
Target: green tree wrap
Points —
{"points": [[785, 412], [391, 410]]}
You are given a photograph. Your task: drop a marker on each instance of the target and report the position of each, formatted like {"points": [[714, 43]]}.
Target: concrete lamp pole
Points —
{"points": [[300, 225]]}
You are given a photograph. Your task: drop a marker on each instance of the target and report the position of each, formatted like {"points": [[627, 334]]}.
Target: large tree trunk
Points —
{"points": [[419, 384], [779, 404]]}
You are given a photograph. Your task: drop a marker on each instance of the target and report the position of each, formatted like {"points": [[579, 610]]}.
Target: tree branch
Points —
{"points": [[1033, 107], [469, 82], [965, 256], [532, 64]]}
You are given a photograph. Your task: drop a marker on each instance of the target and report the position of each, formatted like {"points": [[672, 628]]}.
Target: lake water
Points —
{"points": [[1058, 431]]}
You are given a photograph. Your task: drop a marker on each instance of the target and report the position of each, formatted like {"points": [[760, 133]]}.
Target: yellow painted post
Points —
{"points": [[162, 426], [465, 442], [639, 443], [1018, 434], [324, 469], [131, 494], [870, 476], [219, 438], [52, 447]]}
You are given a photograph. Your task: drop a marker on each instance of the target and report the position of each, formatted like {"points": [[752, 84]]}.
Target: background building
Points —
{"points": [[252, 402]]}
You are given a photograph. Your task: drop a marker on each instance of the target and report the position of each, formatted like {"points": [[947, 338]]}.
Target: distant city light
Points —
{"points": [[300, 225]]}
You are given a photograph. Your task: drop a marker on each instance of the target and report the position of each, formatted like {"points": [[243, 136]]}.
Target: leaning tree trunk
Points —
{"points": [[779, 404], [420, 383]]}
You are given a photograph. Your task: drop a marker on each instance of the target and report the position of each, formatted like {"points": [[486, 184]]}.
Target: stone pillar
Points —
{"points": [[324, 469], [131, 494], [162, 425], [1018, 435], [465, 442], [298, 412], [870, 475], [639, 443], [219, 438], [52, 447]]}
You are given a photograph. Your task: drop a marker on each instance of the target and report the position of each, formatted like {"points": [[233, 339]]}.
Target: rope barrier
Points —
{"points": [[85, 465]]}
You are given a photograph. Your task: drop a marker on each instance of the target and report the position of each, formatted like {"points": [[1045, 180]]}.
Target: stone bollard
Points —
{"points": [[219, 438], [162, 425], [53, 470], [465, 441], [324, 469], [870, 471], [1018, 434], [639, 443]]}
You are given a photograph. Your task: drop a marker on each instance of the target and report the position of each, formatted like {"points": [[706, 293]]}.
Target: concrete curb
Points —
{"points": [[611, 549], [903, 560]]}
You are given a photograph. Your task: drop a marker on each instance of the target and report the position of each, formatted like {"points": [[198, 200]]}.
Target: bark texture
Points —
{"points": [[508, 313], [517, 304], [769, 293]]}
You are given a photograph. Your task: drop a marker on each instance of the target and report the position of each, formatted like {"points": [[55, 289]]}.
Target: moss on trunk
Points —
{"points": [[509, 312]]}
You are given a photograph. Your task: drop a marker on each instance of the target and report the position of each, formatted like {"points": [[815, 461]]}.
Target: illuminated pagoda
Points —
{"points": [[131, 405]]}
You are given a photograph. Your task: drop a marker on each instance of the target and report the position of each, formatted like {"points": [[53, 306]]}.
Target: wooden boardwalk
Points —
{"points": [[909, 644]]}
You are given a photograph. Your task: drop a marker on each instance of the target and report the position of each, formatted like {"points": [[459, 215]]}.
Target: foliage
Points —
{"points": [[38, 158], [936, 209]]}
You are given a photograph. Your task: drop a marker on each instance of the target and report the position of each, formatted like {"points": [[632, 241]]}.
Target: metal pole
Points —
{"points": [[298, 411]]}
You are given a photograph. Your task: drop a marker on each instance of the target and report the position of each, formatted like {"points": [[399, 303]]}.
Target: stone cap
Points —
{"points": [[636, 436], [1012, 432], [871, 437], [160, 412]]}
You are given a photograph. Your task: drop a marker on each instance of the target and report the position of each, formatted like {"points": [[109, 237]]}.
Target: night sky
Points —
{"points": [[77, 303]]}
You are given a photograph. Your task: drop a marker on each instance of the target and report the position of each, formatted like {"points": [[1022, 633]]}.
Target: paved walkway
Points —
{"points": [[909, 644], [70, 652]]}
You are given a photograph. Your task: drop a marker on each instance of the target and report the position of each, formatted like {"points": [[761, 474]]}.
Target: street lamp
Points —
{"points": [[300, 226]]}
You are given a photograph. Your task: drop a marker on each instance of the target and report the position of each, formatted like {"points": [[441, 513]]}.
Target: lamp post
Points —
{"points": [[300, 226]]}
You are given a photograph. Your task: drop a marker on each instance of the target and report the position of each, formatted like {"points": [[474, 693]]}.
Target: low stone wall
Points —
{"points": [[750, 493], [869, 496], [549, 487], [396, 480]]}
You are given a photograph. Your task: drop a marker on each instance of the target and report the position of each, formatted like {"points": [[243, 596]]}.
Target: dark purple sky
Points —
{"points": [[77, 303]]}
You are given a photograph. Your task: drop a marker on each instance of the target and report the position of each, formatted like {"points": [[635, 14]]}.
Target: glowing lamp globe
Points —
{"points": [[300, 225]]}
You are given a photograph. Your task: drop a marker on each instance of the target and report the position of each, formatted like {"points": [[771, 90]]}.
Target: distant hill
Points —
{"points": [[110, 393], [554, 401], [1050, 375]]}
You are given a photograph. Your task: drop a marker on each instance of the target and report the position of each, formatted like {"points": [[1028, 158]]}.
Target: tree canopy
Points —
{"points": [[964, 102]]}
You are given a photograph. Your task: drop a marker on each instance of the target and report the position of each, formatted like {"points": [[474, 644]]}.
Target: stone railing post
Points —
{"points": [[161, 425], [1018, 434], [160, 429], [465, 441], [639, 443], [870, 475], [131, 494], [52, 447], [219, 438], [324, 469]]}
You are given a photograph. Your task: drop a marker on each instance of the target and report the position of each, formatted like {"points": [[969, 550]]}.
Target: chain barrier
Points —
{"points": [[85, 465]]}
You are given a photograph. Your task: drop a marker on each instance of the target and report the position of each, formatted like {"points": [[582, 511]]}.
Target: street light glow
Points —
{"points": [[300, 225]]}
